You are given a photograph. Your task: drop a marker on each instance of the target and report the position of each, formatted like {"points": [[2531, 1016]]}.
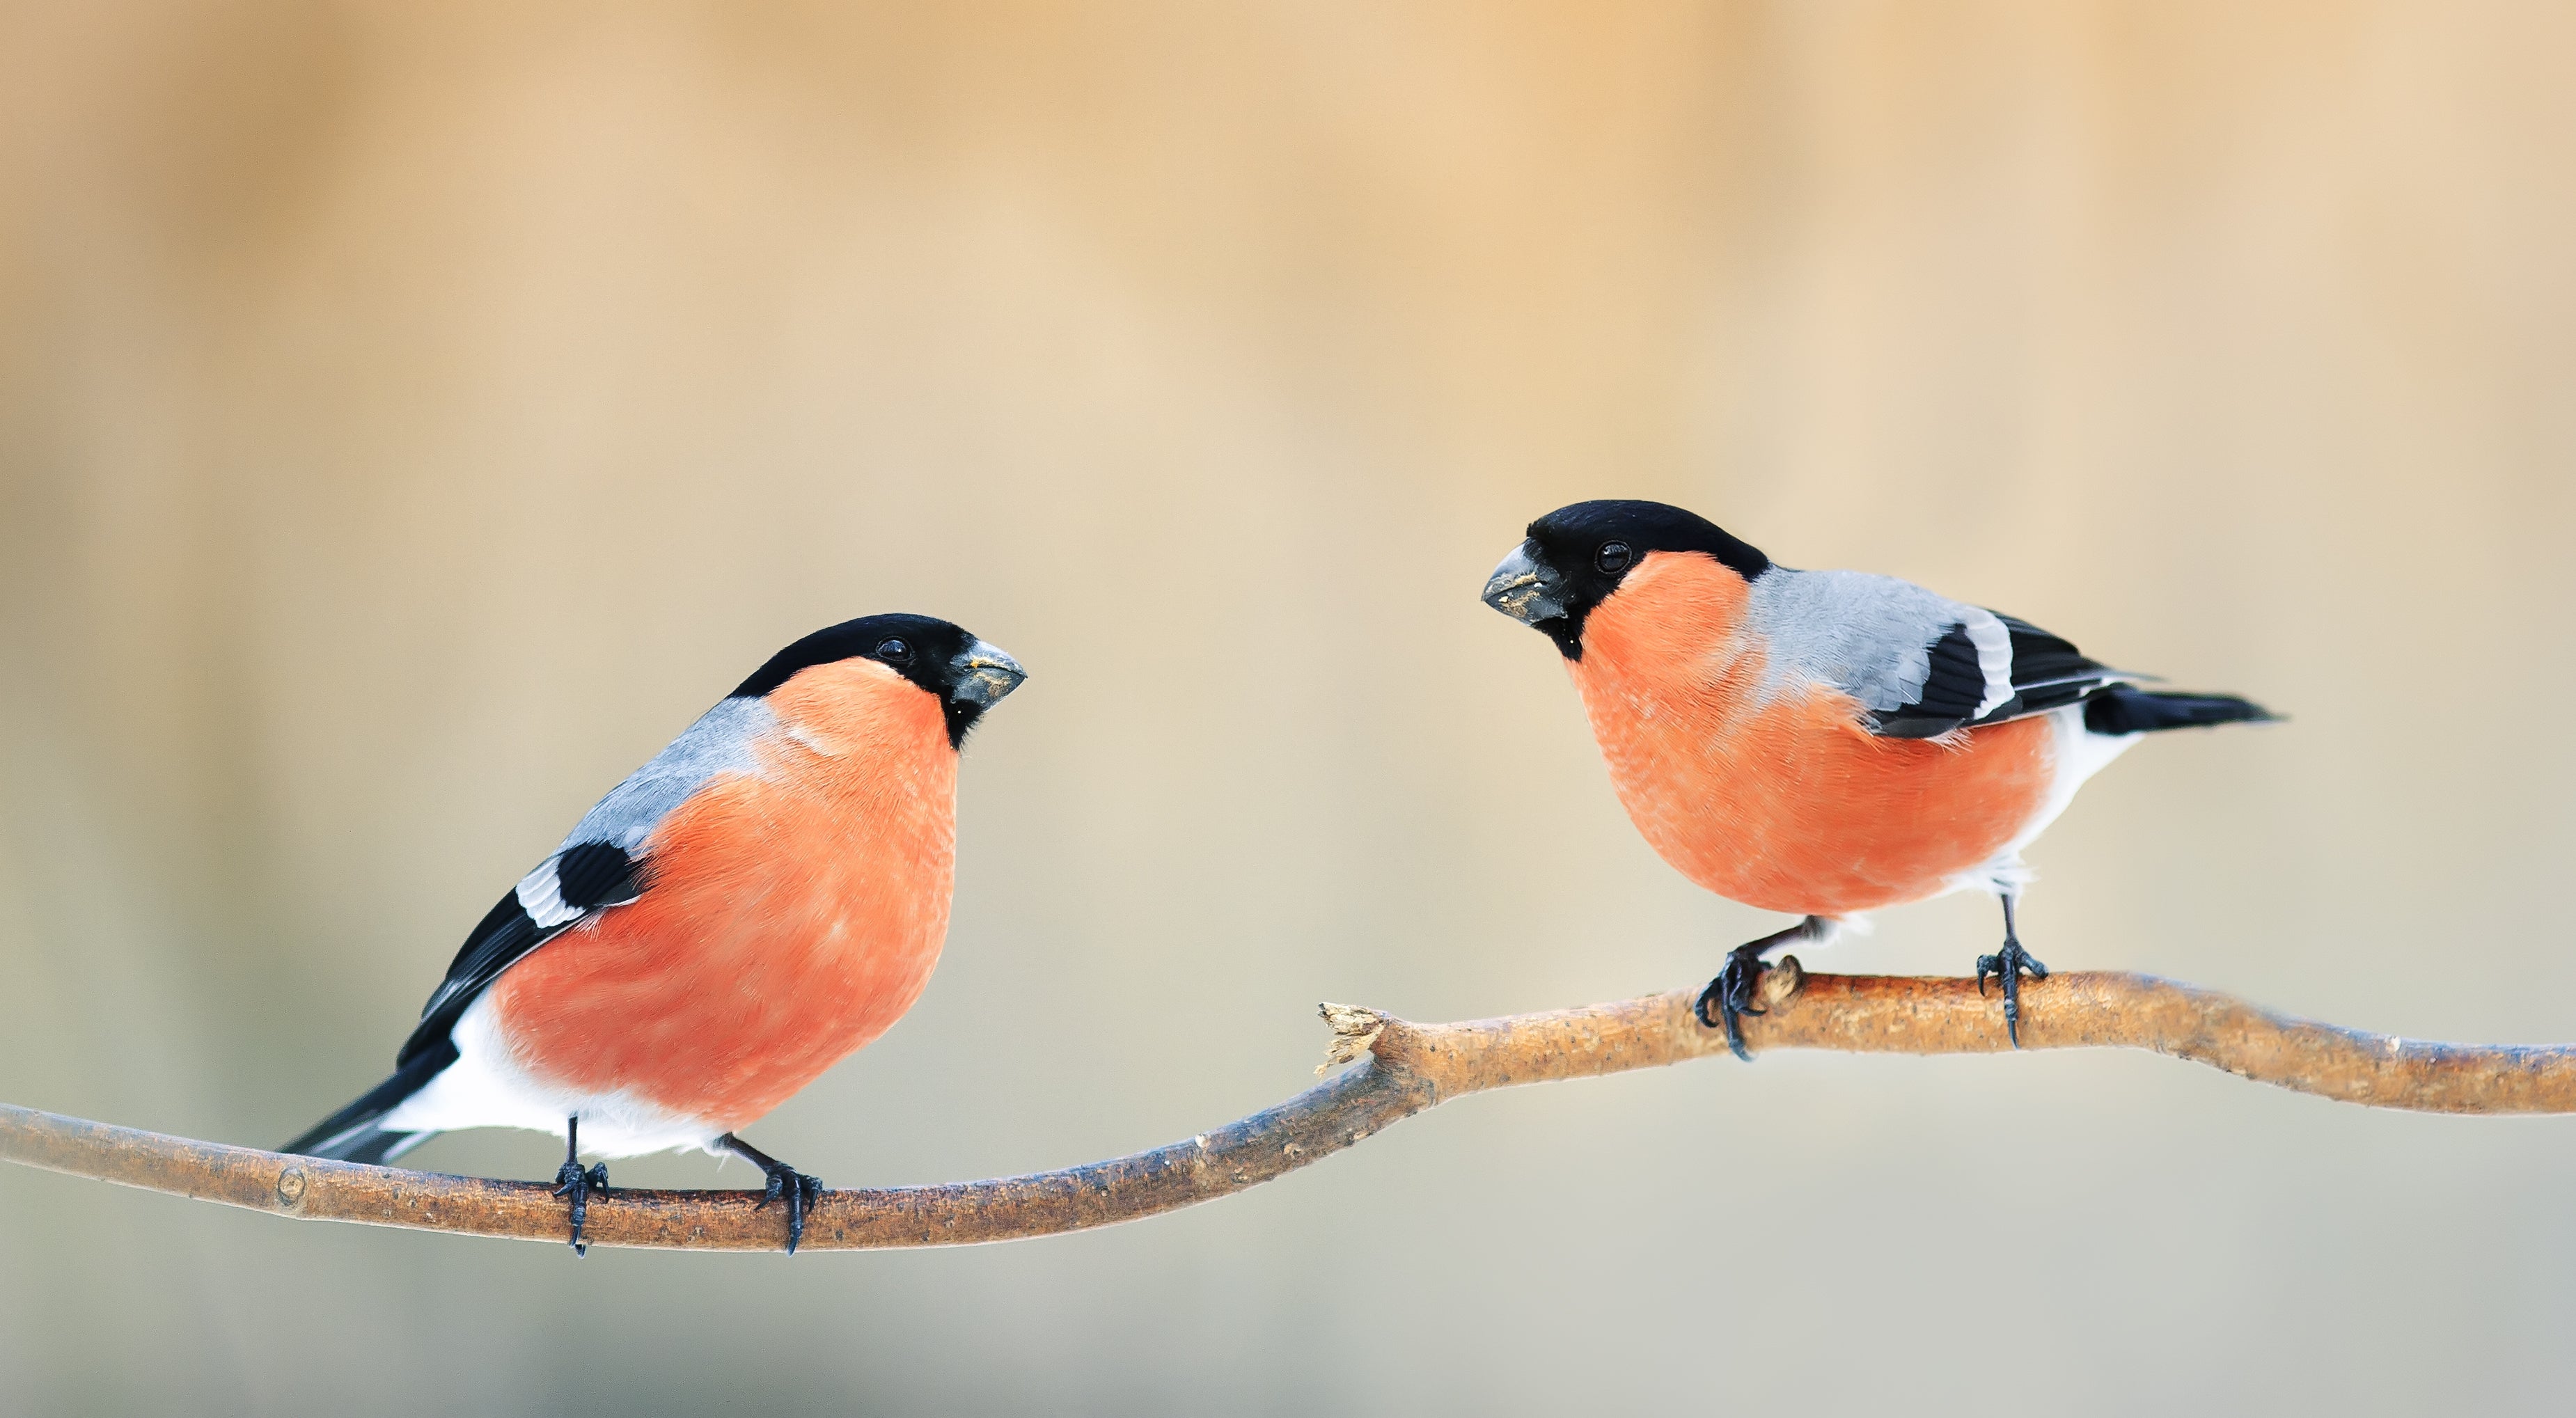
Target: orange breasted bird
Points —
{"points": [[763, 899], [1820, 743]]}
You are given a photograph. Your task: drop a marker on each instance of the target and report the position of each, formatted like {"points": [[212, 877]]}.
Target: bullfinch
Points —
{"points": [[764, 898], [1820, 743]]}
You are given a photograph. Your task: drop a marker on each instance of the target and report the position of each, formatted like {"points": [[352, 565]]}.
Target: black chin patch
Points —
{"points": [[961, 714], [1565, 632]]}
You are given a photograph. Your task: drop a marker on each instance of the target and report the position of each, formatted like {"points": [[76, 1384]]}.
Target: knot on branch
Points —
{"points": [[1355, 1032], [1782, 980]]}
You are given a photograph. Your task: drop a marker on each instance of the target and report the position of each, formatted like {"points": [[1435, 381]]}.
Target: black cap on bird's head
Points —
{"points": [[968, 675], [1576, 556]]}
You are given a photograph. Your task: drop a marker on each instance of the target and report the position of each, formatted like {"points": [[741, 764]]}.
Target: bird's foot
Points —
{"points": [[1729, 997], [2009, 965], [572, 1180], [798, 1190]]}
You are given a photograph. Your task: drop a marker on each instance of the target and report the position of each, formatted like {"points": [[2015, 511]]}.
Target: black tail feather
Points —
{"points": [[373, 1146], [351, 1134], [2122, 709]]}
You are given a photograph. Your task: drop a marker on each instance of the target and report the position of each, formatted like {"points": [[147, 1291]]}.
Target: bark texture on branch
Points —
{"points": [[1403, 1068]]}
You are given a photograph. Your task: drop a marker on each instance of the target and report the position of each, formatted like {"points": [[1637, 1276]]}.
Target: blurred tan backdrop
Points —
{"points": [[411, 416]]}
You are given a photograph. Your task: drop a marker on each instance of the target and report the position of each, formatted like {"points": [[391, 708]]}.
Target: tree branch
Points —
{"points": [[1403, 1068]]}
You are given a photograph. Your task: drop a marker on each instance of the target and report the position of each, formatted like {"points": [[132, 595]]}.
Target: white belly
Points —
{"points": [[2075, 754], [486, 1088]]}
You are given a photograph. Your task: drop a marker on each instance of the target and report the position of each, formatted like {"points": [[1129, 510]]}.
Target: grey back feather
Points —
{"points": [[1868, 636], [719, 742]]}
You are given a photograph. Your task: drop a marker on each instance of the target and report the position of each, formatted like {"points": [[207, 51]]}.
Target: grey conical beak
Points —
{"points": [[1526, 588], [984, 674]]}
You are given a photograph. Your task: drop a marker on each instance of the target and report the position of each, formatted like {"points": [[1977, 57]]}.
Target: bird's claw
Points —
{"points": [[2008, 965], [798, 1190], [574, 1181], [1730, 996]]}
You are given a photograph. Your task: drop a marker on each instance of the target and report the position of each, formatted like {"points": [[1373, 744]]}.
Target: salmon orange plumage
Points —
{"points": [[1819, 743], [764, 898]]}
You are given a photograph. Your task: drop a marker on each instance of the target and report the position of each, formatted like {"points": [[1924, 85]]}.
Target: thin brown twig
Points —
{"points": [[1402, 1069]]}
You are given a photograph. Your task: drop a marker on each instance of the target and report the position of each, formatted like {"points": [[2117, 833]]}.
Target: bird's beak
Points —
{"points": [[1526, 588], [983, 674]]}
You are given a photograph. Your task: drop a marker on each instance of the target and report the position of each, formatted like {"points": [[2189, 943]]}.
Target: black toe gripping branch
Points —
{"points": [[571, 1181], [798, 1190], [2008, 965], [1729, 997]]}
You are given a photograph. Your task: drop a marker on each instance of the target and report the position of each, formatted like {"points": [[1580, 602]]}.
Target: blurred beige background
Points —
{"points": [[411, 416]]}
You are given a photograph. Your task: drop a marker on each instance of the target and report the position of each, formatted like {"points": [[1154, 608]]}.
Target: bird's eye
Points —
{"points": [[893, 651], [1613, 557]]}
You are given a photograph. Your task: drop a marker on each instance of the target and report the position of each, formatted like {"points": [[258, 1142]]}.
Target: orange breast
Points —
{"points": [[793, 916], [1784, 803]]}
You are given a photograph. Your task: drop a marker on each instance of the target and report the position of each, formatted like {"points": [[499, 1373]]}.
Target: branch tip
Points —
{"points": [[1354, 1031]]}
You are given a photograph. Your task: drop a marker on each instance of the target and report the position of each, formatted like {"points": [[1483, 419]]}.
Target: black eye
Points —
{"points": [[893, 651], [1613, 557]]}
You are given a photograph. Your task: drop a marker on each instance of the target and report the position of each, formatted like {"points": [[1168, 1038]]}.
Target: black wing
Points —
{"points": [[572, 886], [2047, 673]]}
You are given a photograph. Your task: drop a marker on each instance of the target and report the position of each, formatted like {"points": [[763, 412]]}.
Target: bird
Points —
{"points": [[1821, 743], [764, 898]]}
